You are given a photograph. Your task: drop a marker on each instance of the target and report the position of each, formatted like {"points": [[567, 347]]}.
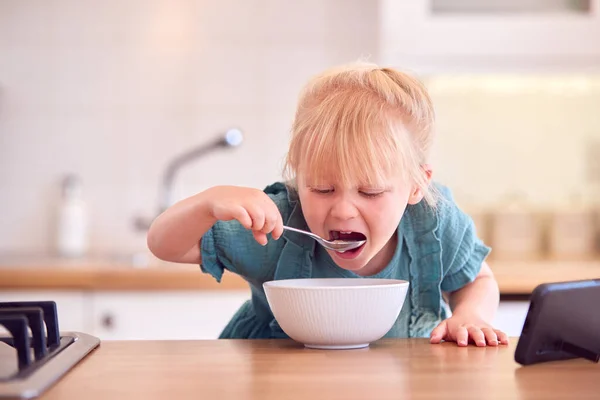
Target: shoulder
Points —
{"points": [[453, 225], [423, 217], [448, 231], [447, 212], [445, 228]]}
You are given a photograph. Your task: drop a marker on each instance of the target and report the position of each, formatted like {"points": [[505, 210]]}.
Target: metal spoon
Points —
{"points": [[335, 245]]}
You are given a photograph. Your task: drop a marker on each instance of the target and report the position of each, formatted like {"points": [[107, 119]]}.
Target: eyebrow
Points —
{"points": [[318, 184]]}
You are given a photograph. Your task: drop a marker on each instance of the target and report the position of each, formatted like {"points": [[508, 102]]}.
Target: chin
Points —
{"points": [[353, 260]]}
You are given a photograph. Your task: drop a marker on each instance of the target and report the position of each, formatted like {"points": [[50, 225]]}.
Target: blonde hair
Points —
{"points": [[367, 123]]}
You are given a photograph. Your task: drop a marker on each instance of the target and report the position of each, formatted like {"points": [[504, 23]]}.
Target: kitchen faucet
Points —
{"points": [[233, 137]]}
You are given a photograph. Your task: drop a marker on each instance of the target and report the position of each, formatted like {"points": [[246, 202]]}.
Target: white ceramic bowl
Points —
{"points": [[333, 313]]}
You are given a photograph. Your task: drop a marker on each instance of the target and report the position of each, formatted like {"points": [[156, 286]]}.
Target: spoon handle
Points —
{"points": [[301, 231]]}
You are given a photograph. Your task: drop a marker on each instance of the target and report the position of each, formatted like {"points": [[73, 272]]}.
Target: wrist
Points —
{"points": [[472, 311], [466, 310], [204, 206]]}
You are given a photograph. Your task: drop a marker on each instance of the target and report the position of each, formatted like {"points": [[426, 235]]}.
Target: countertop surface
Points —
{"points": [[283, 369], [24, 273]]}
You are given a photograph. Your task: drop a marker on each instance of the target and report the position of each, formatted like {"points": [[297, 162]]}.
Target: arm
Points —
{"points": [[480, 297], [473, 307], [177, 233], [173, 238]]}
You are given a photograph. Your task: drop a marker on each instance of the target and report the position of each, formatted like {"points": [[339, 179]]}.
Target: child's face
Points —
{"points": [[333, 212]]}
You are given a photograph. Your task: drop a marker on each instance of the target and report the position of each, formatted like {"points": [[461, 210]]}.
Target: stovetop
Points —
{"points": [[36, 354]]}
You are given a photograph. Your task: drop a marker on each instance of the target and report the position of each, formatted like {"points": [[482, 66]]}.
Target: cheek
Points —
{"points": [[314, 211], [384, 218]]}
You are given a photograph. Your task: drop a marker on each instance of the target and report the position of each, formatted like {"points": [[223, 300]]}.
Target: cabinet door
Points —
{"points": [[448, 35], [511, 317], [164, 315], [72, 307]]}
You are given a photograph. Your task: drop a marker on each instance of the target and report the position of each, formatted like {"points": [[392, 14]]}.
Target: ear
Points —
{"points": [[417, 194]]}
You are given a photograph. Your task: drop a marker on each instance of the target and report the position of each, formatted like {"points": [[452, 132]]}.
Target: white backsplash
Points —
{"points": [[113, 90], [532, 137]]}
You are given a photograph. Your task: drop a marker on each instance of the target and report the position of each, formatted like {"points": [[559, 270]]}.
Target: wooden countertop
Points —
{"points": [[282, 369], [514, 278], [58, 274]]}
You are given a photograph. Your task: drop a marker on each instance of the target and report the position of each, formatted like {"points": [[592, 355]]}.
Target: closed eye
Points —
{"points": [[371, 194], [321, 191]]}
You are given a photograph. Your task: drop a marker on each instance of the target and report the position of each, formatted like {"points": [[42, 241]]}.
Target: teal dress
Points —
{"points": [[438, 251]]}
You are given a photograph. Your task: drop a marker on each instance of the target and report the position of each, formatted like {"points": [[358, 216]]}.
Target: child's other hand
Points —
{"points": [[251, 207], [462, 329]]}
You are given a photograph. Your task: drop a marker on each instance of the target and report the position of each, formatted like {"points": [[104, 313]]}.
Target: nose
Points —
{"points": [[344, 209]]}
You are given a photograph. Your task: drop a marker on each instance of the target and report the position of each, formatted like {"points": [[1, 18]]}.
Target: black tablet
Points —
{"points": [[563, 322]]}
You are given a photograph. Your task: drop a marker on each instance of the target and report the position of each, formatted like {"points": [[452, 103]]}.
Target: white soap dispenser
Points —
{"points": [[72, 219]]}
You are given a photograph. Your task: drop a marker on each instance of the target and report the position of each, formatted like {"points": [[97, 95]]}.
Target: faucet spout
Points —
{"points": [[233, 137]]}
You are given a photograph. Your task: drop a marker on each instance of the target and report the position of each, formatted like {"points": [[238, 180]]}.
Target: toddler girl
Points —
{"points": [[357, 168]]}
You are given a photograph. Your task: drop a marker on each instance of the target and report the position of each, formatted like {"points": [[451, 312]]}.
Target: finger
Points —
{"points": [[260, 237], [502, 337], [258, 217], [477, 336], [490, 336], [273, 221], [462, 336], [240, 214], [439, 332], [270, 221], [278, 228]]}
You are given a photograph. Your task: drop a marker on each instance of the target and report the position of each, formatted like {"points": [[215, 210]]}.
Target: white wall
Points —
{"points": [[111, 90], [532, 137]]}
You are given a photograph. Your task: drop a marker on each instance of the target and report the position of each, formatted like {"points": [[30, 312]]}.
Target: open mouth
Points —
{"points": [[348, 236], [341, 235]]}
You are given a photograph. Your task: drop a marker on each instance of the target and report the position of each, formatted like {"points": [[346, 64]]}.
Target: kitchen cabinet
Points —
{"points": [[73, 306], [432, 36], [510, 317], [159, 315], [140, 314]]}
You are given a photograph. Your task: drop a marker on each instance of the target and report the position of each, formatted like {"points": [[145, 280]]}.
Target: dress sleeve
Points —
{"points": [[230, 246], [463, 252]]}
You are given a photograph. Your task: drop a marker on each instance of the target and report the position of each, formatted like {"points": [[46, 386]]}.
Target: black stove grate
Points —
{"points": [[32, 324]]}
